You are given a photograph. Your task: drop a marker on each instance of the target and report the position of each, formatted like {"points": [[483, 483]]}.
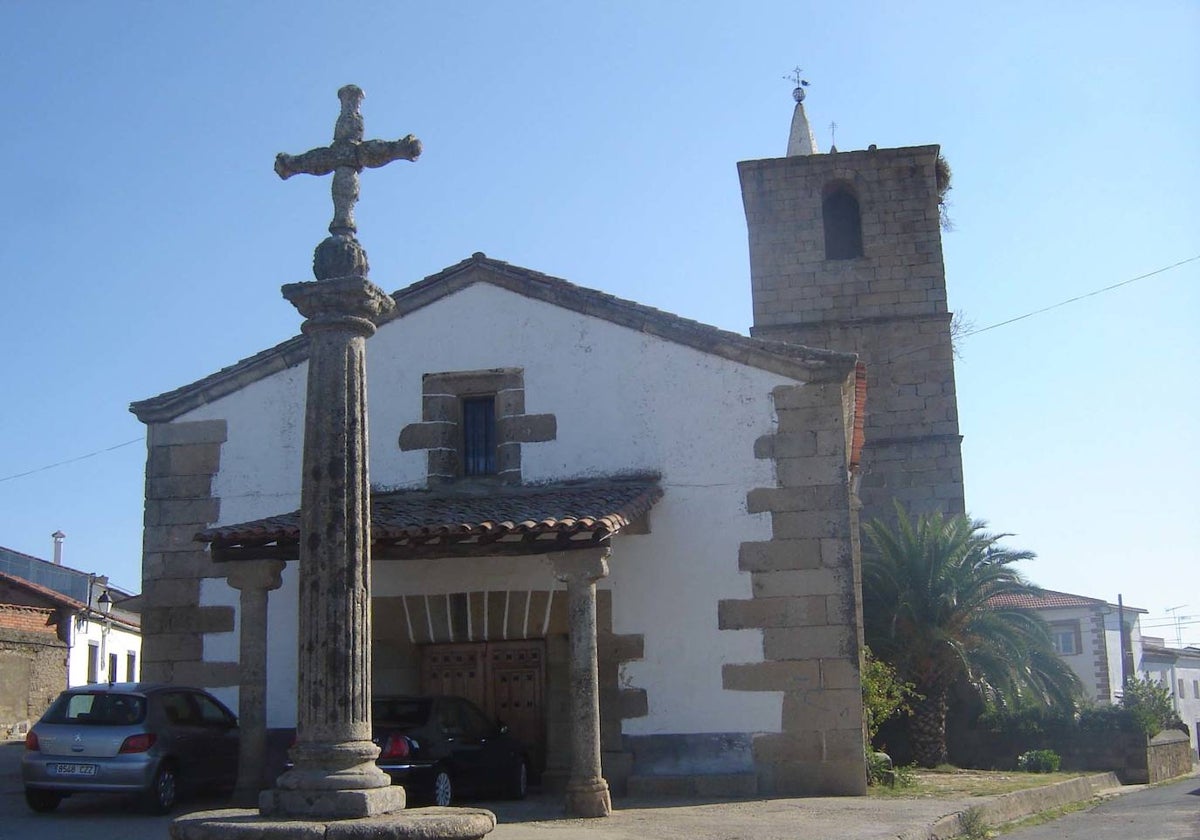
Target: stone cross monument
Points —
{"points": [[334, 777], [334, 773]]}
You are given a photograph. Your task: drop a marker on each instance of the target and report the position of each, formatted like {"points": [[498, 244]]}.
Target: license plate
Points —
{"points": [[73, 769]]}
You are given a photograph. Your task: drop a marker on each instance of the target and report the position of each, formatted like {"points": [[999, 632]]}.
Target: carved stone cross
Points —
{"points": [[345, 157]]}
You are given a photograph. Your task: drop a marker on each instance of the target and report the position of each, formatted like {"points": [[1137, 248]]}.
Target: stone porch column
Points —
{"points": [[254, 579], [587, 791]]}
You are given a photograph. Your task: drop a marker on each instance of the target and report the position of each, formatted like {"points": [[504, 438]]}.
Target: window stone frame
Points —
{"points": [[440, 429]]}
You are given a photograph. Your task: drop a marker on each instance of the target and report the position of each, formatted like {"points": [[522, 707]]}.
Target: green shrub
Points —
{"points": [[1149, 703], [1039, 761]]}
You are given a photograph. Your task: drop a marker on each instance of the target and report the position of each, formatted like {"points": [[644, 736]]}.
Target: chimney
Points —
{"points": [[58, 537]]}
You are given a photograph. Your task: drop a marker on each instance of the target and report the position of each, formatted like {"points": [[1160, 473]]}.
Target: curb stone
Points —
{"points": [[1008, 807]]}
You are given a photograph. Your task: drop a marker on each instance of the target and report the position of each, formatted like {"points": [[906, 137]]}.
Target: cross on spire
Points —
{"points": [[345, 157]]}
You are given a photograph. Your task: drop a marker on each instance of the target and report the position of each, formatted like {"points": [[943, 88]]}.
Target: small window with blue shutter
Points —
{"points": [[479, 435]]}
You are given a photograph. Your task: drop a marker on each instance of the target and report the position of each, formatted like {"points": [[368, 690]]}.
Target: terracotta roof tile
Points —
{"points": [[598, 507], [1048, 598]]}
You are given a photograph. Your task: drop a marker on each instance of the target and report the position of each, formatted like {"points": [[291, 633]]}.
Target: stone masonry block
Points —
{"points": [[801, 582], [165, 538], [429, 435], [187, 432], [809, 524], [621, 647], [194, 459], [791, 746], [770, 676], [844, 744], [633, 703], [170, 647], [171, 593], [782, 643], [179, 487], [802, 472], [840, 673], [184, 511], [771, 612], [527, 428], [818, 778], [440, 408], [779, 554], [207, 674], [190, 562], [820, 497], [823, 710]]}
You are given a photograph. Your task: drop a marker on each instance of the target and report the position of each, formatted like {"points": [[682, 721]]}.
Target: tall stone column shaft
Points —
{"points": [[255, 579], [587, 791], [333, 751]]}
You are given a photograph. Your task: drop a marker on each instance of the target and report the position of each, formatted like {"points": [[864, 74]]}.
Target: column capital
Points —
{"points": [[588, 564], [255, 574]]}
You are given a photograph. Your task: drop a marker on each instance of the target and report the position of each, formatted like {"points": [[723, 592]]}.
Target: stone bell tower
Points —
{"points": [[846, 254]]}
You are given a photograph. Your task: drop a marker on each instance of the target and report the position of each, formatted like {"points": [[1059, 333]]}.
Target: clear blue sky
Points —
{"points": [[145, 237]]}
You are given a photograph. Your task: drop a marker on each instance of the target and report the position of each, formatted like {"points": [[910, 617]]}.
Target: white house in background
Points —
{"points": [[103, 637], [1087, 635], [1179, 670]]}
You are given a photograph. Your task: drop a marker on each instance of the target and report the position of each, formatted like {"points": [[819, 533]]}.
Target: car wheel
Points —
{"points": [[518, 785], [42, 801], [163, 792], [443, 790]]}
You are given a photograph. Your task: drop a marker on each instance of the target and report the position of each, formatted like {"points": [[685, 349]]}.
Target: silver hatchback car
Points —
{"points": [[145, 739]]}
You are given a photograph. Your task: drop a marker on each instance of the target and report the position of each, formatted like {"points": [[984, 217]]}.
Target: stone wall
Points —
{"points": [[181, 461], [807, 601], [33, 670], [888, 306], [1168, 755]]}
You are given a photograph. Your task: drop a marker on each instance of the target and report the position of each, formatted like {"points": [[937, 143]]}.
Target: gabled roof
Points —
{"points": [[1050, 599], [55, 598], [465, 518], [804, 364]]}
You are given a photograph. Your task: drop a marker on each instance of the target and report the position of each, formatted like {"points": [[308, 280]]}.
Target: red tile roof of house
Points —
{"points": [[1049, 599]]}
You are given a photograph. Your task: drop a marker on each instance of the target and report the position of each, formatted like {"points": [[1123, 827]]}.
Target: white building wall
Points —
{"points": [[116, 640], [1183, 678], [624, 401]]}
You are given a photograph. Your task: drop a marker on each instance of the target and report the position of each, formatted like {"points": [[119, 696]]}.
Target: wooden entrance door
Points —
{"points": [[505, 679]]}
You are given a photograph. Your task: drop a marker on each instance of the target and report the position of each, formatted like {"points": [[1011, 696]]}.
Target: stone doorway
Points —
{"points": [[506, 679]]}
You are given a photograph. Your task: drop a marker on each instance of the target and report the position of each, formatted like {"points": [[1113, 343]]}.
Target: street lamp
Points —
{"points": [[105, 603]]}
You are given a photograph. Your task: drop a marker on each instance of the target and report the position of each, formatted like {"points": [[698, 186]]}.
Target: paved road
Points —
{"points": [[1164, 812]]}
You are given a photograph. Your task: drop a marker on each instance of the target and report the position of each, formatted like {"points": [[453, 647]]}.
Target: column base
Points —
{"points": [[331, 804], [588, 798]]}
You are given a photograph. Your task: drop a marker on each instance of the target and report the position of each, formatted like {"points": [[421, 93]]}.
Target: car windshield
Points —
{"points": [[97, 709], [400, 711]]}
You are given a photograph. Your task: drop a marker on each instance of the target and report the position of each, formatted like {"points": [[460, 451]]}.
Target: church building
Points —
{"points": [[530, 438]]}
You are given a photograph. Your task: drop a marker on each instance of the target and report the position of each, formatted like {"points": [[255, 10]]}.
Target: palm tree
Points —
{"points": [[926, 587]]}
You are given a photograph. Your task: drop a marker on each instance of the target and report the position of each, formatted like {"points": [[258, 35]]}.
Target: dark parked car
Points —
{"points": [[444, 748], [144, 739]]}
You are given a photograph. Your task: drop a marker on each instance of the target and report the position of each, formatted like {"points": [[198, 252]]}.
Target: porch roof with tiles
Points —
{"points": [[466, 519]]}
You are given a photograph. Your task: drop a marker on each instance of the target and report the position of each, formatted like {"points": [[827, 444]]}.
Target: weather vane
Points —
{"points": [[801, 83]]}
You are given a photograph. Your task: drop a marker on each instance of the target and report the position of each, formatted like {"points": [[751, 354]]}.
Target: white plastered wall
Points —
{"points": [[117, 640], [624, 401]]}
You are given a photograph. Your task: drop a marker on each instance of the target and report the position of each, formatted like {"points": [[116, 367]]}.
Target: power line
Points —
{"points": [[71, 460], [1093, 293], [1081, 297]]}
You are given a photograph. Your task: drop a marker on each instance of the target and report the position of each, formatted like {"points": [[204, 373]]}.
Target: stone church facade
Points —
{"points": [[517, 419]]}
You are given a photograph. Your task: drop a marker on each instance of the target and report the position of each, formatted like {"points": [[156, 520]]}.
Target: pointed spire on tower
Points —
{"points": [[801, 140]]}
